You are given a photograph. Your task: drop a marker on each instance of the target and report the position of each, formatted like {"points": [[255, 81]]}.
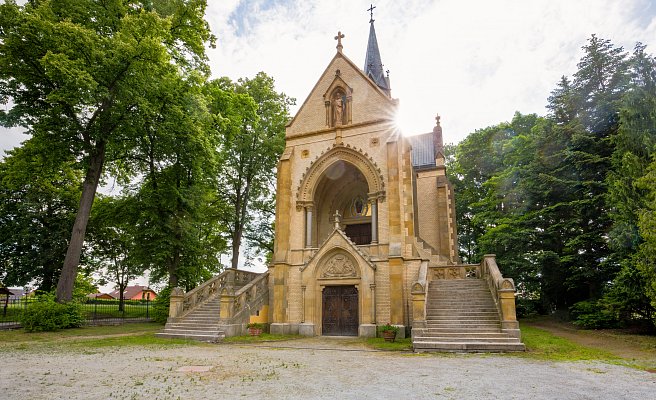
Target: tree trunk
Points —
{"points": [[67, 278], [121, 298], [236, 244]]}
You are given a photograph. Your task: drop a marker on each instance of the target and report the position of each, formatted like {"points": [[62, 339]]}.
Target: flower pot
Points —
{"points": [[255, 331], [389, 336]]}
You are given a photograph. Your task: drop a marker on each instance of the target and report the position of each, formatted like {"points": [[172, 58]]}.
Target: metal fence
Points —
{"points": [[96, 311]]}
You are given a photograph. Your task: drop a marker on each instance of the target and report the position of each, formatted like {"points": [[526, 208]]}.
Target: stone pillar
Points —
{"points": [[308, 226], [374, 220], [176, 304], [227, 301], [418, 306], [372, 286]]}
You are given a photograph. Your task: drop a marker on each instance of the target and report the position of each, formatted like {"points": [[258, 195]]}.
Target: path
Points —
{"points": [[314, 368]]}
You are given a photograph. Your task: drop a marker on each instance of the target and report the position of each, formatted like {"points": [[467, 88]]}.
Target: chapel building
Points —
{"points": [[365, 235], [359, 207]]}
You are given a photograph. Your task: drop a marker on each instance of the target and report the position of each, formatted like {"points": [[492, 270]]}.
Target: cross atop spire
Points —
{"points": [[339, 38], [373, 65], [371, 10]]}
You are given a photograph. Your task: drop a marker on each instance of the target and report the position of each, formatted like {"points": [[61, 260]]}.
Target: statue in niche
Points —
{"points": [[339, 107]]}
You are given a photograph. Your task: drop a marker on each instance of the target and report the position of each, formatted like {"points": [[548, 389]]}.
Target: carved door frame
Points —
{"points": [[358, 307]]}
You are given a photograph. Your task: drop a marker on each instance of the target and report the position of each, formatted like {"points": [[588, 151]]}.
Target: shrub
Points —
{"points": [[161, 306], [591, 314], [46, 314], [388, 328], [529, 307]]}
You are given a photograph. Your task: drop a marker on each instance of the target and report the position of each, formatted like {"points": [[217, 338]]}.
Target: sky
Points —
{"points": [[473, 62]]}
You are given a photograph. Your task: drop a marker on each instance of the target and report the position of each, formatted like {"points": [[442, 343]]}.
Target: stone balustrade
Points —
{"points": [[504, 290], [228, 281]]}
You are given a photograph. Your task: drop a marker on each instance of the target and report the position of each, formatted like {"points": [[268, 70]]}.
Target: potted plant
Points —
{"points": [[389, 332], [255, 328]]}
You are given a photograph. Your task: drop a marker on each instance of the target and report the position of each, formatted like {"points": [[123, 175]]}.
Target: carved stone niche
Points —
{"points": [[339, 266], [338, 101]]}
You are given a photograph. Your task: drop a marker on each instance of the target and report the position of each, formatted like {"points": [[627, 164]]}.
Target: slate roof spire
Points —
{"points": [[373, 65]]}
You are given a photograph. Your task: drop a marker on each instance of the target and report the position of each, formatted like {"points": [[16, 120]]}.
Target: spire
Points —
{"points": [[373, 65]]}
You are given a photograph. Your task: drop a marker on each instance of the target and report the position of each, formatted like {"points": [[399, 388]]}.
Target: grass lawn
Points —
{"points": [[543, 345], [396, 345], [131, 334]]}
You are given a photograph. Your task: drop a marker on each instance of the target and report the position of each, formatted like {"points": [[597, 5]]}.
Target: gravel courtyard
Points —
{"points": [[314, 368]]}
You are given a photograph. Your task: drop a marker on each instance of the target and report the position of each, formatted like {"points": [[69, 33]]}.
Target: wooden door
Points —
{"points": [[340, 311], [359, 233]]}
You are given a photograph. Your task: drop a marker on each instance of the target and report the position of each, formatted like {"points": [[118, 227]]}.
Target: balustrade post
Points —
{"points": [[418, 306], [176, 303], [227, 305]]}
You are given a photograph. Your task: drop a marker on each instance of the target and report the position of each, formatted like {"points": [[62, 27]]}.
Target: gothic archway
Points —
{"points": [[310, 180]]}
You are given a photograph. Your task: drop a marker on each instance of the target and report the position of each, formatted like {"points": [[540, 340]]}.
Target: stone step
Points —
{"points": [[427, 332], [464, 310], [201, 318], [210, 331], [192, 327], [200, 337], [442, 339], [460, 331], [463, 326], [468, 347], [204, 315], [468, 318]]}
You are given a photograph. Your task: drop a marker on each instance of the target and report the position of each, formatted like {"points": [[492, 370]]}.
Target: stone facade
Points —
{"points": [[356, 214]]}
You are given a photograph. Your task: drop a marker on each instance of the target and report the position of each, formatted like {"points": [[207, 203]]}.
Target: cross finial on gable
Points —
{"points": [[437, 119], [339, 38], [371, 10]]}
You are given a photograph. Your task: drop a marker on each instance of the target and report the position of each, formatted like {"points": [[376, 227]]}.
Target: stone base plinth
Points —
{"points": [[367, 330], [306, 329]]}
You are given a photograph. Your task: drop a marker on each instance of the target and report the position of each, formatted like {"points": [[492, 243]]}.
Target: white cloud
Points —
{"points": [[474, 62]]}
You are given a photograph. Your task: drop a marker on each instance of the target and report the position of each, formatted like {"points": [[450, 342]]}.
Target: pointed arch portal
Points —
{"points": [[346, 181]]}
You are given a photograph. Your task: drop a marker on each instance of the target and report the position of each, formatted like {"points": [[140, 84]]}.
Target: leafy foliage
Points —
{"points": [[81, 75], [46, 314], [38, 199], [161, 306], [250, 117], [564, 201]]}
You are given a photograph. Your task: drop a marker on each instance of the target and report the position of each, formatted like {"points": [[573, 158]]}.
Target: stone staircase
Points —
{"points": [[461, 315], [201, 324]]}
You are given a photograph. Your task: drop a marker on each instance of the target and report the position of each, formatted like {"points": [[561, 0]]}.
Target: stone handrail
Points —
{"points": [[246, 300], [183, 303], [418, 292], [503, 290], [462, 271]]}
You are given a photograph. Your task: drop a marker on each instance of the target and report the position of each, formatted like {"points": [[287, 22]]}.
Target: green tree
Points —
{"points": [[38, 200], [113, 243], [251, 117], [79, 72], [174, 205], [634, 147]]}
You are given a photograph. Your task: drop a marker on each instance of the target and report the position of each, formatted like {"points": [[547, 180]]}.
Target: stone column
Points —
{"points": [[176, 305], [308, 226], [374, 220]]}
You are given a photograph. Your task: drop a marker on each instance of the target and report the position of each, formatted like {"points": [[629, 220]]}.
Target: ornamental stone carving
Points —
{"points": [[339, 266], [356, 157]]}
